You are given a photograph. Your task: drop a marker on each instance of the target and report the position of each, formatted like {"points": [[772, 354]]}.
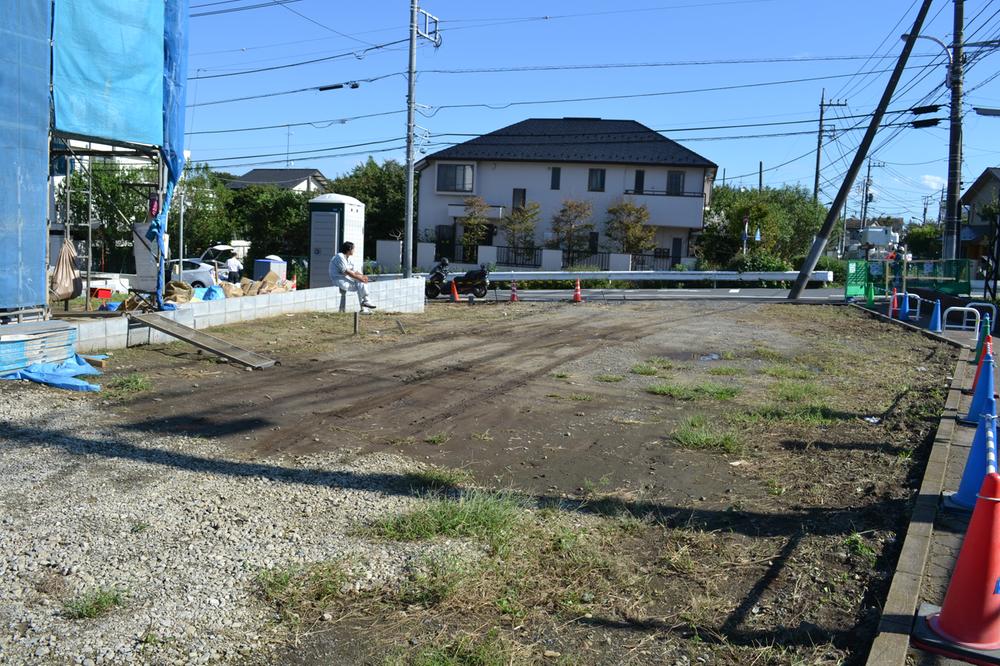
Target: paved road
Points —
{"points": [[757, 294]]}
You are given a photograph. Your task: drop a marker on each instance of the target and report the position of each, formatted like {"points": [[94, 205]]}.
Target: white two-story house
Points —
{"points": [[551, 160]]}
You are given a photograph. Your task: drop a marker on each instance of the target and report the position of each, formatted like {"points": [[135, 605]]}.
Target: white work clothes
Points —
{"points": [[234, 264], [339, 266]]}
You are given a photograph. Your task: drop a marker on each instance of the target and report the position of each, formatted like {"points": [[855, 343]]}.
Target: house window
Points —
{"points": [[675, 182], [640, 181], [454, 178], [595, 180], [556, 177], [519, 199]]}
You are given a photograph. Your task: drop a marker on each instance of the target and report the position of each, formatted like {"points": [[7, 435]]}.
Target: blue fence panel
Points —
{"points": [[24, 169], [107, 69]]}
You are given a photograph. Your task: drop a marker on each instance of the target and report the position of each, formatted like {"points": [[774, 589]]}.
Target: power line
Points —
{"points": [[233, 10], [329, 86], [303, 152], [357, 54], [319, 124], [326, 27], [315, 157]]}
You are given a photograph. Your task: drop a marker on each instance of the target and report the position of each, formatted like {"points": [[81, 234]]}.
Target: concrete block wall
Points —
{"points": [[396, 295]]}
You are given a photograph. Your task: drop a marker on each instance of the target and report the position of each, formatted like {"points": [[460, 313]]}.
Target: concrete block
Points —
{"points": [[620, 262], [138, 335]]}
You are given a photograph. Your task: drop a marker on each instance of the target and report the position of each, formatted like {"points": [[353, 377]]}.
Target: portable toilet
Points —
{"points": [[333, 219]]}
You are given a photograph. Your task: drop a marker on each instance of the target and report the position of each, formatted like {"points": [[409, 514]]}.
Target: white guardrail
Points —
{"points": [[651, 276]]}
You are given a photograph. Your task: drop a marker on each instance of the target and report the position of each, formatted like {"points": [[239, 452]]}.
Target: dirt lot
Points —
{"points": [[659, 483]]}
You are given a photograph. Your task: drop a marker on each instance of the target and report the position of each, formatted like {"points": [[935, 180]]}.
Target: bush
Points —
{"points": [[758, 261]]}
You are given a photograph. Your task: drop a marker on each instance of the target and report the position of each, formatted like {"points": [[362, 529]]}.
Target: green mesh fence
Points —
{"points": [[949, 276]]}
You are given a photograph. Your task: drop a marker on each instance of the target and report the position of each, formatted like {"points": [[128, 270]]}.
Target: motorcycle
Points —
{"points": [[475, 282]]}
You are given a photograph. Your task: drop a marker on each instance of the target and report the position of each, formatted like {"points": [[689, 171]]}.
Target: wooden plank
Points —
{"points": [[204, 341]]}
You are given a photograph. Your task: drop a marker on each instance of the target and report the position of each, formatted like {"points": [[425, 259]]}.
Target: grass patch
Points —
{"points": [[299, 591], [139, 527], [609, 379], [581, 397], [762, 353], [438, 478], [781, 371], [708, 391], [560, 375], [644, 369], [129, 384], [697, 432], [436, 581], [857, 546], [483, 436], [789, 391], [488, 517], [400, 441], [775, 488], [811, 415], [94, 603], [437, 440], [463, 651], [727, 371], [660, 363]]}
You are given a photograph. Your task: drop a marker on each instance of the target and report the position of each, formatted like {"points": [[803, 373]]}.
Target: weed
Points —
{"points": [[438, 439], [644, 369], [129, 384], [438, 580], [296, 591], [581, 397], [609, 379], [94, 603], [139, 527], [591, 488], [698, 432], [780, 371], [490, 517], [856, 545], [661, 363], [560, 375], [726, 371], [763, 353], [483, 436], [811, 415], [775, 488], [400, 441], [699, 391], [787, 391], [438, 478], [464, 651], [728, 355]]}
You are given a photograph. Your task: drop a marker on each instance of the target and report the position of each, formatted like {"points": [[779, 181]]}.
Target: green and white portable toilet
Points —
{"points": [[333, 219]]}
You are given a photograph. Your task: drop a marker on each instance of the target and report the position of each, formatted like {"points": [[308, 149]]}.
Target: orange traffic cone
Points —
{"points": [[577, 296], [292, 285], [454, 292], [893, 305], [987, 349], [513, 291], [968, 623]]}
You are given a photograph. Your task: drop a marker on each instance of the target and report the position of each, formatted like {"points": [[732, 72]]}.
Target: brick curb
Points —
{"points": [[892, 641]]}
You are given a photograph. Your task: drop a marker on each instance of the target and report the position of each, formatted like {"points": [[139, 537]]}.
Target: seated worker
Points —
{"points": [[344, 275]]}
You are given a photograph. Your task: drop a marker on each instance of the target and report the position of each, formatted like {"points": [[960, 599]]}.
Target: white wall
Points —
{"points": [[495, 182]]}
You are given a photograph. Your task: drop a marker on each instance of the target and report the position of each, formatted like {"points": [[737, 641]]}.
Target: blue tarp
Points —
{"points": [[107, 65], [24, 122], [175, 55], [61, 375]]}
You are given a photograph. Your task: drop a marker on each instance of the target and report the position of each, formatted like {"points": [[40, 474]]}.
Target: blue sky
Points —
{"points": [[801, 39]]}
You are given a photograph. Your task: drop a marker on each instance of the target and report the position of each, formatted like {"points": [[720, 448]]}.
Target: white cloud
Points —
{"points": [[933, 182]]}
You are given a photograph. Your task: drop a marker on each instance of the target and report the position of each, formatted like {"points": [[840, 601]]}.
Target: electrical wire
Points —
{"points": [[233, 10], [350, 84]]}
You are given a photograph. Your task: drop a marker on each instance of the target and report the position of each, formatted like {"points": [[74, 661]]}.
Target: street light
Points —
{"points": [[944, 47]]}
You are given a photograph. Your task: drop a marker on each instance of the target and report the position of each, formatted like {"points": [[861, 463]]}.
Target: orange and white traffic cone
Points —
{"points": [[987, 349], [513, 291], [968, 624], [454, 292], [893, 305], [577, 296]]}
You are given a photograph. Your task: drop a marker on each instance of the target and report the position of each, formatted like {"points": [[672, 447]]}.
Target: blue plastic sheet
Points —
{"points": [[61, 375], [175, 48], [214, 293], [107, 69], [24, 122]]}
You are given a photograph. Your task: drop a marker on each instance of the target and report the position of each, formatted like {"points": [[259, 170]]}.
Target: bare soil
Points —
{"points": [[778, 548]]}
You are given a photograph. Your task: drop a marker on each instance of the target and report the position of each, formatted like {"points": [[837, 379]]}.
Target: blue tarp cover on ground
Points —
{"points": [[24, 122], [107, 69], [61, 375]]}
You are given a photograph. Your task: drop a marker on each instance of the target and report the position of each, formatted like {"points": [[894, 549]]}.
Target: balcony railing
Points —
{"points": [[664, 193], [519, 256]]}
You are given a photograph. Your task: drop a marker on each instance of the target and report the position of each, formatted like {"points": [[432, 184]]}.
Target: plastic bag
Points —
{"points": [[65, 282]]}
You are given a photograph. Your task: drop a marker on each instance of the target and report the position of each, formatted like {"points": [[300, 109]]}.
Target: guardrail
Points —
{"points": [[645, 276]]}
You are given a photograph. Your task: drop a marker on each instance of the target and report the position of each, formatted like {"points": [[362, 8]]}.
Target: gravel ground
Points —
{"points": [[181, 530]]}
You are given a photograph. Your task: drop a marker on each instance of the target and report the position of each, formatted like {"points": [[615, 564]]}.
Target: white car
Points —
{"points": [[197, 273]]}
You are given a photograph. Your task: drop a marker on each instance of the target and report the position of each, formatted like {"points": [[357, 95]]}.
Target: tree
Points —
{"points": [[627, 226], [275, 221], [382, 188], [207, 211], [520, 225], [571, 226], [787, 218], [924, 240], [474, 222]]}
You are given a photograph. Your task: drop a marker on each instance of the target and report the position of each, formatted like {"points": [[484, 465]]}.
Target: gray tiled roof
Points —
{"points": [[283, 178], [991, 173], [590, 140]]}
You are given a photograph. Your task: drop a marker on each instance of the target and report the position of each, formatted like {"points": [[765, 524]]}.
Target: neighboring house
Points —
{"points": [[975, 231], [297, 180], [550, 160]]}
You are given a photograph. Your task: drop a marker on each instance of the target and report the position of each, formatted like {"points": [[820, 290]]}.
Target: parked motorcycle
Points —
{"points": [[475, 282]]}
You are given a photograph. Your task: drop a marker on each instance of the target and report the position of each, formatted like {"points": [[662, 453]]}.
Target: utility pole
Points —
{"points": [[760, 177], [428, 32], [866, 142], [823, 104], [953, 219], [927, 201], [867, 191]]}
